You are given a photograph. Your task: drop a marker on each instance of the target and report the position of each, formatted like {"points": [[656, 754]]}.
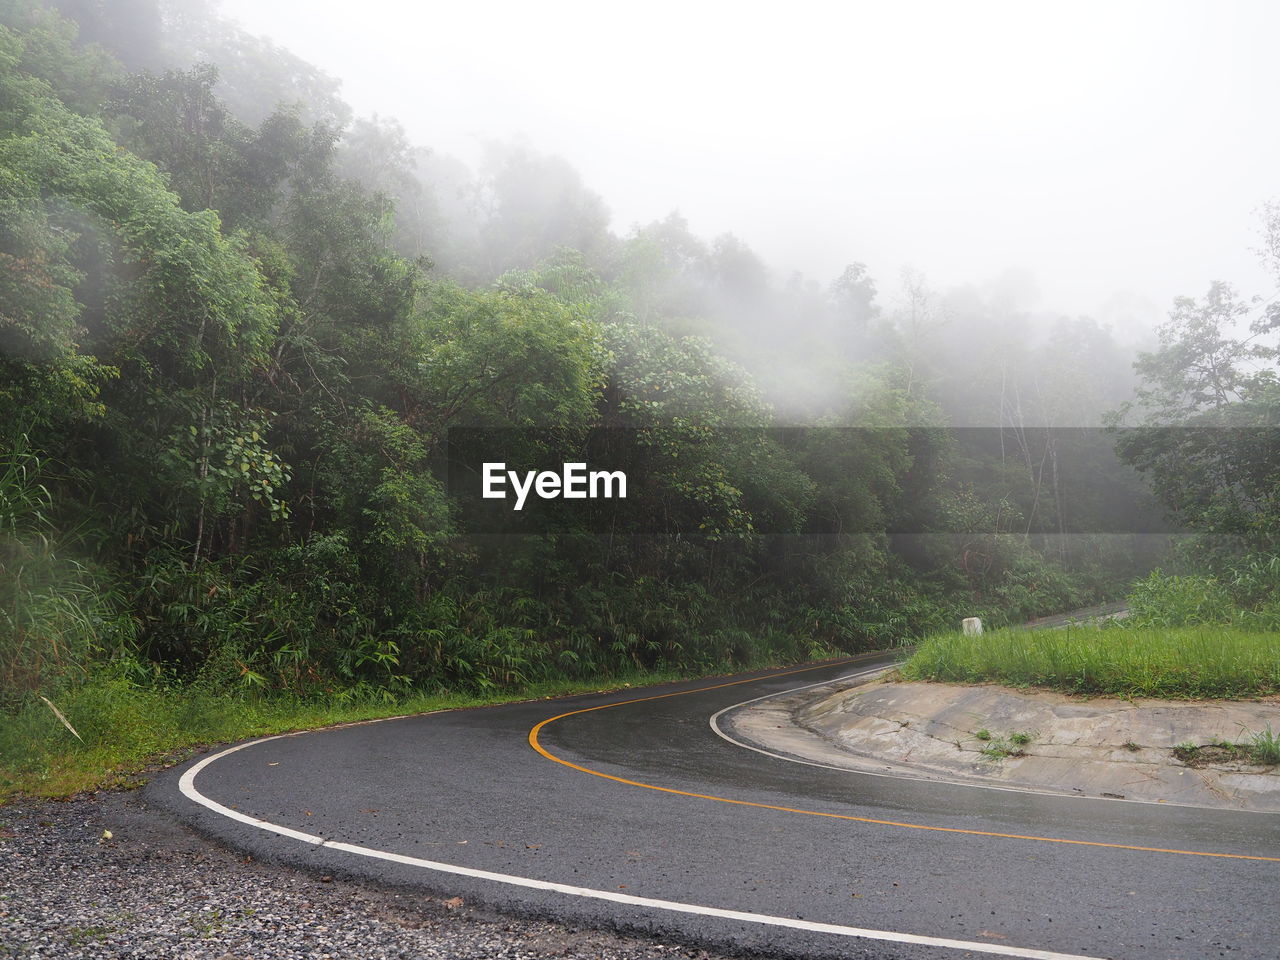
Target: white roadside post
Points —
{"points": [[972, 626]]}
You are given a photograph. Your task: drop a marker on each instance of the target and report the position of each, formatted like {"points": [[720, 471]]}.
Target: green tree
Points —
{"points": [[1209, 417]]}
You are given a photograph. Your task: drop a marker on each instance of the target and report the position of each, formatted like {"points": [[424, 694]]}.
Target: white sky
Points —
{"points": [[1108, 148]]}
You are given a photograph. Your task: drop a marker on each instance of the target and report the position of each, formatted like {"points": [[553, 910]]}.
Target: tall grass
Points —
{"points": [[1198, 661], [55, 614]]}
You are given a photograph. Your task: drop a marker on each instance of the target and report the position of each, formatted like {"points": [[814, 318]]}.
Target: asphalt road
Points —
{"points": [[628, 810]]}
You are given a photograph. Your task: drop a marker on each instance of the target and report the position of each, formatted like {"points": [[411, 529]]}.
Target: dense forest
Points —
{"points": [[237, 325]]}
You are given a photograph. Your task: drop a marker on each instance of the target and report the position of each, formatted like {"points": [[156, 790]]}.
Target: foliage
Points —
{"points": [[56, 616], [1209, 437], [1246, 594], [229, 370]]}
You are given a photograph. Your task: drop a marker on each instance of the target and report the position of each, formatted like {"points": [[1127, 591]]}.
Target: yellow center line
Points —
{"points": [[537, 729]]}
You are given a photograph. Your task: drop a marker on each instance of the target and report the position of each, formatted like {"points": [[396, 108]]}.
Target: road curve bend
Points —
{"points": [[628, 810]]}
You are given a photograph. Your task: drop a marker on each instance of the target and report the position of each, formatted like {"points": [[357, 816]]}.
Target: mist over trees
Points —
{"points": [[237, 325]]}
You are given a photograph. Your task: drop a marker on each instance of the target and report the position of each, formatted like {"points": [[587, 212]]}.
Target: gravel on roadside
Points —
{"points": [[155, 889]]}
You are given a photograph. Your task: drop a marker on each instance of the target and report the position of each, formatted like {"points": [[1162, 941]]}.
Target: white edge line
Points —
{"points": [[940, 779], [188, 788]]}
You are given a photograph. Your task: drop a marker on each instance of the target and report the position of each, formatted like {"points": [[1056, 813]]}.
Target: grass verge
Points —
{"points": [[129, 729], [1184, 662]]}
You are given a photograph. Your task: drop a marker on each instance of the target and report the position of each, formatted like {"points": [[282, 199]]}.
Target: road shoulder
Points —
{"points": [[156, 888]]}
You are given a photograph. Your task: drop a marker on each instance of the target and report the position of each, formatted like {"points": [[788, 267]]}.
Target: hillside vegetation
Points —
{"points": [[237, 327]]}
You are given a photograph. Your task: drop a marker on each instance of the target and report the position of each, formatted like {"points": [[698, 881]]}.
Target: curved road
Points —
{"points": [[629, 810]]}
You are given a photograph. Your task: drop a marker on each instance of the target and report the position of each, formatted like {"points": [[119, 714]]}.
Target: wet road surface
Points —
{"points": [[637, 815]]}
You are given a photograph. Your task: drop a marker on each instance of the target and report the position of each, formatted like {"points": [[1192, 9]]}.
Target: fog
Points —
{"points": [[1104, 157], [829, 295]]}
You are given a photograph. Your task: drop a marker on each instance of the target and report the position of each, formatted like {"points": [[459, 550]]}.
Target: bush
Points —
{"points": [[1161, 600], [1247, 595], [56, 614]]}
